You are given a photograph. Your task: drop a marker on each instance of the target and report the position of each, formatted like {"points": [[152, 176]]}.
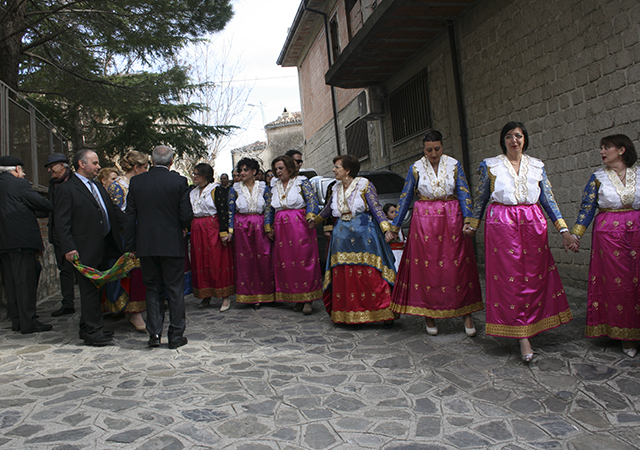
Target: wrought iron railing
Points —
{"points": [[27, 134]]}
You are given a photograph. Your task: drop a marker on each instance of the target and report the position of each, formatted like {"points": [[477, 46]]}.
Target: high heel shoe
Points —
{"points": [[226, 307], [432, 331], [630, 352], [471, 332], [526, 357]]}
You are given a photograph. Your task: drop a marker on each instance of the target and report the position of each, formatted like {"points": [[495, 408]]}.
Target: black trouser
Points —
{"points": [[19, 275], [67, 276], [167, 272], [91, 321]]}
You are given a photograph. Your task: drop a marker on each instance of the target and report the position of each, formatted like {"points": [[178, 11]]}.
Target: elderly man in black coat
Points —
{"points": [[88, 226], [58, 167], [20, 242], [158, 213]]}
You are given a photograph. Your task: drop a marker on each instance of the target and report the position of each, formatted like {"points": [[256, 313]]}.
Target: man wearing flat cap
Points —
{"points": [[20, 242], [58, 167]]}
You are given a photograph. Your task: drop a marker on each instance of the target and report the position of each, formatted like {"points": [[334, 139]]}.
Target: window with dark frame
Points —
{"points": [[409, 108], [357, 138], [335, 39]]}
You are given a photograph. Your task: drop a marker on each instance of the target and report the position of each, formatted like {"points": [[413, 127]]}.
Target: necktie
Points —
{"points": [[105, 218]]}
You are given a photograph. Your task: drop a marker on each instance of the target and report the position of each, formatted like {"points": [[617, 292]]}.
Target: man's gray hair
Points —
{"points": [[162, 156], [4, 169]]}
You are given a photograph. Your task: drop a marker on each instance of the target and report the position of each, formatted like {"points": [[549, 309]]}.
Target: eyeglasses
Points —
{"points": [[517, 136], [195, 174]]}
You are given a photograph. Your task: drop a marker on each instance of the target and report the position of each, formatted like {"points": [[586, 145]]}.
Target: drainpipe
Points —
{"points": [[462, 118], [334, 102]]}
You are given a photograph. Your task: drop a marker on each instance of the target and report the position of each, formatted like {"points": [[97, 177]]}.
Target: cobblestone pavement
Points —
{"points": [[275, 379]]}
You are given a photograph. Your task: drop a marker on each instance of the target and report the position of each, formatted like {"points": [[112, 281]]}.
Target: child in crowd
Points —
{"points": [[397, 247]]}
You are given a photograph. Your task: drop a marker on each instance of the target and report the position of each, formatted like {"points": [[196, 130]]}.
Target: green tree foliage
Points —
{"points": [[104, 70]]}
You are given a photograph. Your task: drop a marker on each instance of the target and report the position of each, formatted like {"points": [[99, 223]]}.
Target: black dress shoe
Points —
{"points": [[178, 342], [108, 334], [38, 327], [154, 341], [63, 311], [99, 342]]}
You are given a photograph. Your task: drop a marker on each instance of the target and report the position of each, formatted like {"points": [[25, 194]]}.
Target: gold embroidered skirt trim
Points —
{"points": [[262, 298], [615, 210], [526, 331], [434, 313], [214, 292], [427, 199], [360, 259], [361, 316], [302, 297], [623, 334]]}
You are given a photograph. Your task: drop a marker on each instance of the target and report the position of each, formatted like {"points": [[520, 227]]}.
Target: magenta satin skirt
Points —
{"points": [[614, 272], [438, 275], [254, 267], [524, 293], [295, 257]]}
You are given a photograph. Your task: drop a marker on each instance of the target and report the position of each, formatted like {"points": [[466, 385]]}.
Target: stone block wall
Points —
{"points": [[568, 69]]}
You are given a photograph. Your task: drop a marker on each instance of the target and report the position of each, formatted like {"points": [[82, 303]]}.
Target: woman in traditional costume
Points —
{"points": [[211, 258], [249, 204], [129, 294], [360, 267], [614, 293], [524, 293], [438, 275], [295, 250]]}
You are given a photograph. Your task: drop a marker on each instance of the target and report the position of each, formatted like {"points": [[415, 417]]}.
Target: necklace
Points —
{"points": [[284, 192], [343, 199]]}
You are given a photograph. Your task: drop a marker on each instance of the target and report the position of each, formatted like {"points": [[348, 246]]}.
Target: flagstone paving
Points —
{"points": [[276, 379]]}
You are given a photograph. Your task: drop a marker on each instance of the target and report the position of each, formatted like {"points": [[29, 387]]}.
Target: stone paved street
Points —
{"points": [[275, 379]]}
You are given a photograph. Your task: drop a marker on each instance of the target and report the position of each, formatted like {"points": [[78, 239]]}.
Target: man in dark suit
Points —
{"points": [[158, 215], [20, 241], [87, 224], [58, 167]]}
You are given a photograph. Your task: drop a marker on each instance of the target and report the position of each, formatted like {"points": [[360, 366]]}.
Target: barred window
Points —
{"points": [[409, 108], [357, 139]]}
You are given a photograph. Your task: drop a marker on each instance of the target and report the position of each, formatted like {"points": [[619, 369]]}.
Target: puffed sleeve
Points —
{"points": [[310, 198], [269, 213], [483, 193], [222, 207], [549, 204], [588, 206], [406, 198], [462, 192], [232, 207], [117, 194], [371, 197]]}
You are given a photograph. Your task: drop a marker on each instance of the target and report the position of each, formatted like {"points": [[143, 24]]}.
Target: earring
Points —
{"points": [[619, 153]]}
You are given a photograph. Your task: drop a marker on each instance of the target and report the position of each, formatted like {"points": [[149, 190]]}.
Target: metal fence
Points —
{"points": [[27, 134]]}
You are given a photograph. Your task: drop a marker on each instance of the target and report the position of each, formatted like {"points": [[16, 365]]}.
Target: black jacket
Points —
{"points": [[158, 209], [78, 221], [19, 229]]}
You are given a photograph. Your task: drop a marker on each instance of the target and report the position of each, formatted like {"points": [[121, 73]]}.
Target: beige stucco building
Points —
{"points": [[284, 133]]}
